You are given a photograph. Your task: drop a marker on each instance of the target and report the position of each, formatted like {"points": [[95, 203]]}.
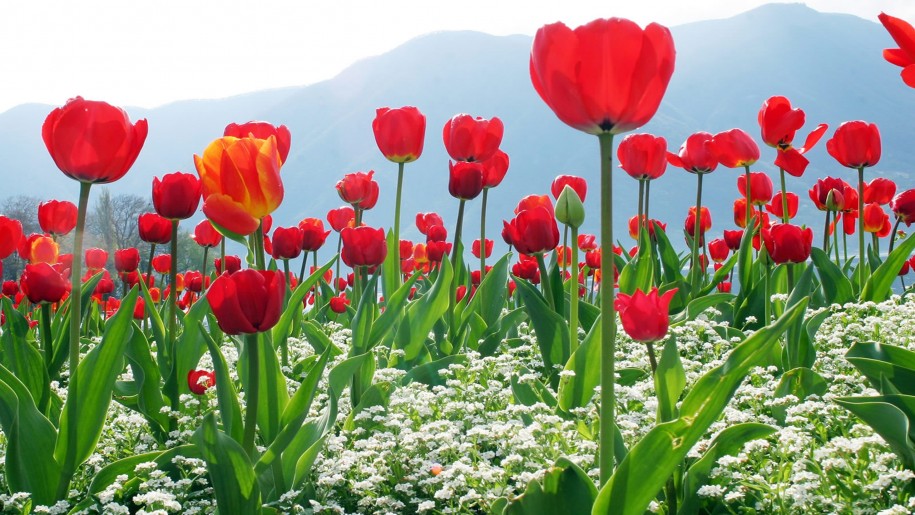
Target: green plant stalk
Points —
{"points": [[483, 236], [454, 262], [152, 252], [171, 388], [835, 236], [641, 220], [786, 219], [304, 264], [647, 198], [400, 167], [339, 249], [893, 234], [561, 256], [697, 228], [664, 415], [876, 242], [764, 254], [284, 344], [76, 285], [203, 271], [573, 293], [606, 457], [47, 339], [259, 247], [826, 234], [748, 188], [545, 281], [861, 249], [251, 396]]}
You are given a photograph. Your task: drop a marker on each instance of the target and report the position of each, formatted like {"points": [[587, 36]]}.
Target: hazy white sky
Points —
{"points": [[146, 53]]}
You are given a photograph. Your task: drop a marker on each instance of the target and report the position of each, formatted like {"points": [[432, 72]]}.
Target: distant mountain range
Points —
{"points": [[828, 64]]}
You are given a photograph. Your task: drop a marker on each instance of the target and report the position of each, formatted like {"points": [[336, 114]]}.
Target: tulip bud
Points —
{"points": [[569, 208]]}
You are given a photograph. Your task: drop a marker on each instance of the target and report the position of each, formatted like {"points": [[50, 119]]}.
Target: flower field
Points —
{"points": [[766, 369]]}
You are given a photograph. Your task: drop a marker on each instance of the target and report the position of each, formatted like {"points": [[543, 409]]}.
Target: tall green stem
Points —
{"points": [[284, 344], [639, 217], [835, 236], [697, 235], [483, 236], [545, 281], [47, 340], [172, 386], [396, 249], [893, 235], [826, 233], [252, 395], [786, 219], [606, 457], [76, 287], [748, 189], [861, 250], [647, 198], [454, 264], [573, 292], [203, 271]]}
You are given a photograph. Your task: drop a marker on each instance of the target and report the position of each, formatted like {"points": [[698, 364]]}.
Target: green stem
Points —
{"points": [[697, 235], [545, 281], [396, 249], [647, 198], [251, 396], [483, 236], [304, 264], [835, 236], [565, 249], [764, 254], [259, 247], [203, 272], [76, 286], [785, 217], [606, 457], [748, 189], [284, 344], [339, 259], [861, 250], [222, 253], [454, 264], [641, 220], [573, 293], [826, 234], [893, 235], [172, 386], [47, 339]]}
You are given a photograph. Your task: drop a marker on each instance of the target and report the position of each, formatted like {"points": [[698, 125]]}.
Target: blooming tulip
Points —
{"points": [[904, 36], [465, 179], [10, 234], [779, 123], [476, 248], [760, 187], [472, 139], [855, 144], [400, 133], [735, 149], [903, 206], [206, 235], [787, 243], [875, 218], [718, 250], [126, 260], [645, 317], [358, 189], [494, 169], [363, 246], [705, 221], [176, 195], [40, 282], [57, 217], [338, 303], [42, 249], [732, 238], [154, 228], [263, 130], [340, 217], [534, 231], [777, 205], [643, 156], [162, 263], [248, 301], [96, 258], [696, 154], [287, 242], [879, 190], [424, 221], [313, 234], [232, 264]]}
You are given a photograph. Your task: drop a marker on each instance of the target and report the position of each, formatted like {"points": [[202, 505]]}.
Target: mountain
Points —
{"points": [[830, 65]]}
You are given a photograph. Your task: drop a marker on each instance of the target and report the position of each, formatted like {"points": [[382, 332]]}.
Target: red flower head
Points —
{"points": [[855, 144], [532, 201], [592, 259], [643, 156], [476, 247], [199, 381], [875, 218], [735, 149], [526, 268], [828, 194], [263, 130], [10, 288], [248, 301], [340, 217], [776, 207], [194, 281], [472, 139], [105, 285], [705, 221], [287, 242], [92, 141], [903, 207], [718, 250], [162, 263], [358, 189], [587, 242], [41, 248], [127, 260], [57, 217], [696, 154], [399, 133], [437, 250], [779, 123], [787, 243], [436, 233], [645, 318], [176, 195], [405, 249], [494, 169], [879, 190], [233, 264], [606, 76], [96, 258], [576, 183], [41, 282], [313, 234], [904, 36], [206, 235], [732, 239], [534, 231], [363, 246], [338, 304], [465, 179], [426, 220], [10, 234], [154, 228], [760, 187]]}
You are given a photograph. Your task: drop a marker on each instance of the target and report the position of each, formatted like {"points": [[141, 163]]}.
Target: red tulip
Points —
{"points": [[606, 76], [248, 301], [592, 259], [232, 265], [263, 131], [436, 233], [206, 235], [105, 285], [879, 190], [287, 242], [855, 144], [494, 169], [587, 242], [472, 139], [532, 201], [732, 238], [426, 220], [776, 207], [363, 246], [904, 36], [735, 149], [338, 303], [465, 179], [39, 248], [718, 250], [643, 156], [645, 317], [787, 243], [195, 281], [127, 260], [828, 194], [162, 263], [476, 247], [527, 268], [340, 217], [652, 225], [313, 234], [176, 195], [10, 288], [154, 228], [874, 218], [57, 217], [400, 133], [760, 187], [96, 258], [903, 207], [199, 381], [576, 183], [779, 123], [437, 250], [92, 141], [534, 231], [10, 234], [41, 282], [358, 189], [696, 154], [705, 221]]}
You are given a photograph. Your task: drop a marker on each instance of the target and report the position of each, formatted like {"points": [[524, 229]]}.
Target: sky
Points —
{"points": [[148, 53]]}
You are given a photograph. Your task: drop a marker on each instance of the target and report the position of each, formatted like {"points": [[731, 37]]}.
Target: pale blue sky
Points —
{"points": [[146, 53]]}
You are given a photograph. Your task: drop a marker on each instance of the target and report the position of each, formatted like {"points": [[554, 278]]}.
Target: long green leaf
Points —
{"points": [[190, 345], [550, 327], [294, 304], [887, 416], [576, 391], [231, 472], [879, 362], [836, 286], [272, 394], [393, 310], [880, 283], [422, 315], [565, 489], [146, 379], [226, 395], [22, 358]]}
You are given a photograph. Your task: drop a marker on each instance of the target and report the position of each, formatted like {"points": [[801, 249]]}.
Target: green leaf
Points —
{"points": [[647, 467], [22, 358], [550, 327], [421, 315], [390, 269], [147, 379], [699, 305], [189, 346], [745, 275], [673, 271], [393, 311], [531, 391], [156, 323], [728, 443], [836, 286], [565, 489], [720, 275], [379, 394], [669, 380], [800, 382], [498, 331], [799, 350], [880, 283], [880, 361], [294, 304], [272, 394], [885, 413], [226, 395], [430, 373], [314, 333], [489, 299], [231, 472], [576, 391], [95, 379]]}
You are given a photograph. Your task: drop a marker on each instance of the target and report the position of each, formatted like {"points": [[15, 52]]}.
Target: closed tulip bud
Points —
{"points": [[263, 130], [787, 243], [874, 218], [476, 247], [465, 179], [42, 283], [176, 195], [855, 144], [287, 242], [532, 201], [206, 235], [10, 234], [405, 249], [199, 381], [57, 217], [400, 133], [760, 187], [127, 260], [494, 169], [732, 239], [248, 301], [96, 258], [436, 233], [363, 246], [154, 228], [569, 208], [705, 221], [339, 303], [643, 156], [358, 189], [313, 234], [645, 317], [718, 250], [903, 206], [232, 265], [340, 218], [162, 263]]}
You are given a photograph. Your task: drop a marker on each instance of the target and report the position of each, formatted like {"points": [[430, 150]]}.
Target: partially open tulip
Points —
{"points": [[855, 144], [875, 218], [313, 234], [534, 231], [57, 217], [903, 206], [696, 154], [760, 187], [287, 242], [91, 141], [358, 189], [787, 243], [10, 234], [232, 264], [162, 263], [154, 228], [41, 282], [904, 36], [248, 301], [879, 190], [338, 303], [176, 196], [472, 139], [340, 217], [718, 250], [476, 248], [828, 194], [735, 149], [199, 381], [494, 169], [43, 249], [643, 156], [263, 130], [436, 233], [705, 221], [779, 123], [578, 184], [645, 317], [776, 206], [465, 179], [400, 133], [126, 260], [363, 246], [96, 258], [206, 235], [732, 238], [426, 220]]}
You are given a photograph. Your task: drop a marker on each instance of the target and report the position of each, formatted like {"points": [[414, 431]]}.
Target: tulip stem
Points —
{"points": [[893, 235], [785, 217], [483, 236], [573, 293], [697, 234], [826, 234], [452, 300], [46, 338], [76, 285], [835, 235], [252, 394], [259, 247], [640, 216], [400, 167], [861, 249], [545, 281], [606, 457], [203, 272], [747, 188], [284, 343], [171, 386]]}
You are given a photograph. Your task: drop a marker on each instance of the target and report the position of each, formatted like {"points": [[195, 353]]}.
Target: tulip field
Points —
{"points": [[767, 368]]}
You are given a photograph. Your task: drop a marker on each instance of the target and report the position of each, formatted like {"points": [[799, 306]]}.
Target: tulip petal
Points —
{"points": [[791, 161], [908, 75], [901, 31], [228, 215]]}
